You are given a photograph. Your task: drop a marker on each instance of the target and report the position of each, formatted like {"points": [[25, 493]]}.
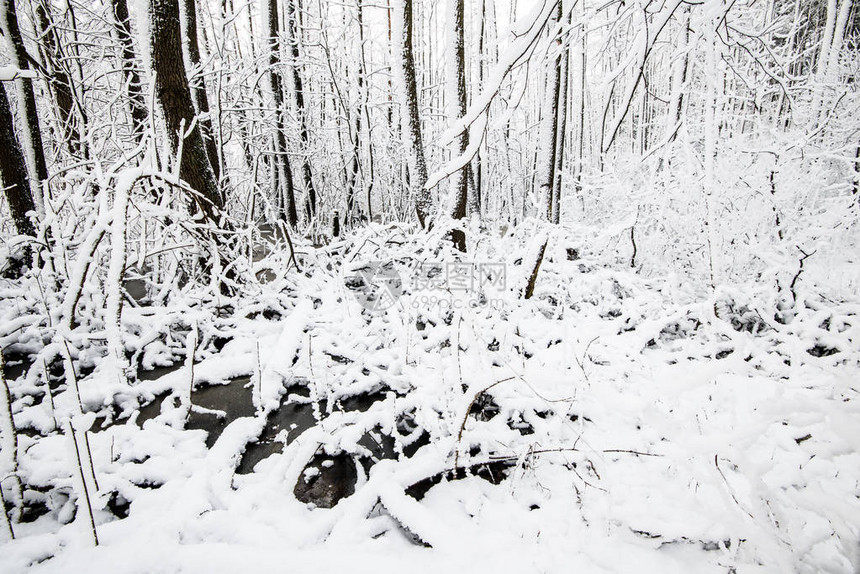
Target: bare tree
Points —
{"points": [[280, 162], [679, 76], [650, 27], [460, 179], [563, 64], [174, 96], [32, 134], [130, 74], [356, 132], [549, 144], [70, 114], [13, 172], [198, 86], [413, 132], [301, 110]]}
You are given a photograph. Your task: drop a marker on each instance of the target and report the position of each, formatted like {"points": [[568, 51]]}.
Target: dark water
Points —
{"points": [[233, 401], [328, 477]]}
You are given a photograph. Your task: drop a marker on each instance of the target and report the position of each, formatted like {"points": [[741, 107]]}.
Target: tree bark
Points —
{"points": [[415, 142], [827, 40], [580, 129], [60, 82], [13, 172], [283, 173], [354, 178], [839, 27], [174, 96], [549, 138], [460, 180], [31, 135], [679, 79], [561, 132], [198, 85], [301, 110], [130, 74]]}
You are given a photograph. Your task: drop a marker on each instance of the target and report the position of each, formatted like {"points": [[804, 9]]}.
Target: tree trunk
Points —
{"points": [[31, 136], [368, 175], [301, 111], [561, 132], [13, 172], [549, 134], [856, 186], [355, 167], [198, 86], [60, 82], [580, 133], [478, 171], [413, 132], [459, 180], [130, 75], [283, 173], [824, 52], [839, 27], [174, 96], [679, 79]]}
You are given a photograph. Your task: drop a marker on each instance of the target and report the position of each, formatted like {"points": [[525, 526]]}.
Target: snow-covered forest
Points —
{"points": [[416, 285]]}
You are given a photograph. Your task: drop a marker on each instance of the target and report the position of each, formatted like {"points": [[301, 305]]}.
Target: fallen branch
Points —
{"points": [[466, 417], [530, 286]]}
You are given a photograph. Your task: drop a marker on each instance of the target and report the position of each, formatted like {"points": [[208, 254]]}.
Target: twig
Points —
{"points": [[6, 515], [581, 362], [191, 349], [258, 375], [530, 286], [71, 375], [574, 449], [729, 488], [466, 417], [90, 457], [71, 431], [13, 439], [799, 271], [636, 452], [50, 393]]}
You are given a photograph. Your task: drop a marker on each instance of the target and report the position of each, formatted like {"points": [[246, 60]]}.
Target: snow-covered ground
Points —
{"points": [[644, 425]]}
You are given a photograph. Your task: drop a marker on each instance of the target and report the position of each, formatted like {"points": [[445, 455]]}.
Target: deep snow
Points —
{"points": [[652, 426]]}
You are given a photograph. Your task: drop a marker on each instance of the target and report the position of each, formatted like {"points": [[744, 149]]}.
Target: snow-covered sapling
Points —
{"points": [[190, 350], [9, 436], [84, 491]]}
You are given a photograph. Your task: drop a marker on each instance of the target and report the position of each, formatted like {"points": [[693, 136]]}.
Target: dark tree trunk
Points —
{"points": [[198, 86], [13, 172], [174, 96], [301, 111], [561, 130], [416, 144], [280, 162], [32, 134], [580, 128], [547, 173], [354, 179], [857, 172], [477, 172], [130, 75], [60, 82], [679, 78], [368, 175], [461, 188]]}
